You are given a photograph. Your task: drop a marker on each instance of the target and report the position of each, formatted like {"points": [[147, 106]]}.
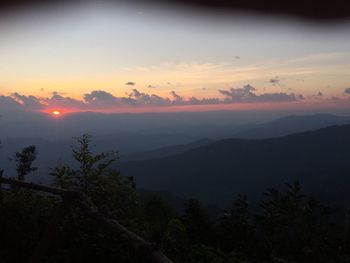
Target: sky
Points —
{"points": [[112, 58]]}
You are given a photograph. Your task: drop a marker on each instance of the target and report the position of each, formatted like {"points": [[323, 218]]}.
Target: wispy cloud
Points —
{"points": [[275, 81], [317, 58]]}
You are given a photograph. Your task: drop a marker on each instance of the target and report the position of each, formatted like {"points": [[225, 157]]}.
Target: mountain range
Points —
{"points": [[252, 158], [217, 172]]}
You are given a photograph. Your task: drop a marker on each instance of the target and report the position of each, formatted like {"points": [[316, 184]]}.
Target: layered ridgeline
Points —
{"points": [[142, 145], [219, 171], [291, 124], [145, 131]]}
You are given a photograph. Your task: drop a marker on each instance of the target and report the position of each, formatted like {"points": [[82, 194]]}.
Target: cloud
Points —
{"points": [[318, 96], [275, 81], [100, 99], [204, 101], [141, 98], [334, 99], [7, 103], [239, 94], [58, 100], [130, 83], [247, 95], [30, 102], [347, 91], [58, 93], [177, 98]]}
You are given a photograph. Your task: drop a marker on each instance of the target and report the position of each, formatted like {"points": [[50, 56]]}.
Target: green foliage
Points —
{"points": [[290, 227], [197, 222], [92, 170], [235, 230], [24, 161], [93, 177], [114, 195], [1, 175], [154, 216], [296, 227], [23, 218], [175, 242]]}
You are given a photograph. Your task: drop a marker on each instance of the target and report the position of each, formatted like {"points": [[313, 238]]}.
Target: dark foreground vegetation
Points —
{"points": [[41, 227]]}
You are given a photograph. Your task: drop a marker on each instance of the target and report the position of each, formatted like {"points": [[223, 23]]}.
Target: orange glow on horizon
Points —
{"points": [[198, 108], [56, 113]]}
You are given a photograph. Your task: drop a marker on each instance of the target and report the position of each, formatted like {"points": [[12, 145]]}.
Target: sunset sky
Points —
{"points": [[105, 57]]}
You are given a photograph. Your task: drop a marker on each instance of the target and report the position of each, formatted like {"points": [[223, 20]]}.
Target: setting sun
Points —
{"points": [[56, 113]]}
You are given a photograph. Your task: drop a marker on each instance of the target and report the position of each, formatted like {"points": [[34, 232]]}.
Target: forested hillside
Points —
{"points": [[93, 214], [215, 173]]}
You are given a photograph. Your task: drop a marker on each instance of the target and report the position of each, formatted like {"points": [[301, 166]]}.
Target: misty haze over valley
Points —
{"points": [[143, 139]]}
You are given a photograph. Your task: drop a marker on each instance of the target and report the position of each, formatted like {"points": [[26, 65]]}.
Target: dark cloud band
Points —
{"points": [[100, 99]]}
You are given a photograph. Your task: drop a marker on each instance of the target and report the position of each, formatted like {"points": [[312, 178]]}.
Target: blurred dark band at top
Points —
{"points": [[322, 11]]}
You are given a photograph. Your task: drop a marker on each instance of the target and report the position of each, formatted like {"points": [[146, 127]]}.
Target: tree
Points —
{"points": [[155, 215], [1, 175], [235, 230], [92, 168], [297, 227], [175, 242], [96, 178], [24, 161], [197, 222], [23, 213]]}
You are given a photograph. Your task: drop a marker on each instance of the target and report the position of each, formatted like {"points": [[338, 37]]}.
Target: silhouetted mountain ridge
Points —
{"points": [[167, 151], [219, 171], [291, 124]]}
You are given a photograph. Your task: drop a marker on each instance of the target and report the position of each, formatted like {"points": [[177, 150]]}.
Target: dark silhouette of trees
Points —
{"points": [[155, 215], [95, 178], [86, 232], [236, 229], [101, 217], [24, 162], [297, 227], [197, 222]]}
